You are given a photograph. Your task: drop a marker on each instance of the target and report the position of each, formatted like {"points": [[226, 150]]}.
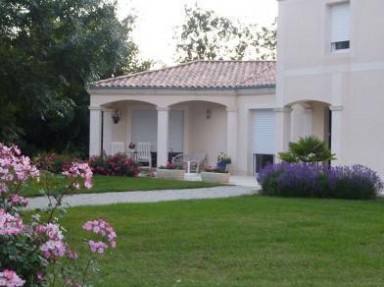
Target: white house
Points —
{"points": [[329, 83], [199, 107], [330, 77]]}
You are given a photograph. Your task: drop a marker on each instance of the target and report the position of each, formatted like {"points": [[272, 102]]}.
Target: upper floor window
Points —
{"points": [[340, 26]]}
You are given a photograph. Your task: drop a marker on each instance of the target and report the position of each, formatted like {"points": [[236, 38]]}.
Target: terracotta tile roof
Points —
{"points": [[200, 75]]}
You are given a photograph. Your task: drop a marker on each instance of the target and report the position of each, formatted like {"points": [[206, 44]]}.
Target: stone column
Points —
{"points": [[95, 131], [107, 131], [232, 136], [336, 133], [162, 135], [282, 129]]}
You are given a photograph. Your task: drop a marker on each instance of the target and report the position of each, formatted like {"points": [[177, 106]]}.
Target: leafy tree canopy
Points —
{"points": [[207, 36], [49, 51]]}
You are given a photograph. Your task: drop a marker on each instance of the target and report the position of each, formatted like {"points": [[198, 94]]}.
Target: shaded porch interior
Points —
{"points": [[188, 127]]}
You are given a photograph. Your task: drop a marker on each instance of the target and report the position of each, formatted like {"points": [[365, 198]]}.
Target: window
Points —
{"points": [[340, 26]]}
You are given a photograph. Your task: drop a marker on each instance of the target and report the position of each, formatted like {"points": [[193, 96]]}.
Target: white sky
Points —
{"points": [[156, 20]]}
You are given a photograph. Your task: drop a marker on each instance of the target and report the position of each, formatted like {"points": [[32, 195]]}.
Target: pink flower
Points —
{"points": [[53, 249], [72, 254], [9, 278], [18, 200], [97, 247], [103, 229], [10, 224], [40, 276], [51, 230], [80, 171], [14, 168]]}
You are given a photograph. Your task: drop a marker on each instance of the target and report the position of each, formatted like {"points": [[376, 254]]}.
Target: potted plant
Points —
{"points": [[132, 146], [170, 171], [223, 161]]}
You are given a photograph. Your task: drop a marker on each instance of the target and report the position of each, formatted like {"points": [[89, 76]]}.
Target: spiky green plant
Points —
{"points": [[307, 149]]}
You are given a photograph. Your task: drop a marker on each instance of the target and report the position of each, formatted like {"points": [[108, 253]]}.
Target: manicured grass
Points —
{"points": [[245, 241], [119, 183]]}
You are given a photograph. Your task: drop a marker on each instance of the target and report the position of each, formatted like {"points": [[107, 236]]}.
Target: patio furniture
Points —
{"points": [[190, 162], [143, 153]]}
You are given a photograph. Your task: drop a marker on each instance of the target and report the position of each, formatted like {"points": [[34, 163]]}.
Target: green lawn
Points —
{"points": [[119, 183], [245, 241]]}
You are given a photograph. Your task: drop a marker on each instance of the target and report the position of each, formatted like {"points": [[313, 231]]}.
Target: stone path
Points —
{"points": [[147, 196]]}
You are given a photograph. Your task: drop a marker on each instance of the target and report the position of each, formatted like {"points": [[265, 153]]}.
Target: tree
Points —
{"points": [[265, 44], [50, 50], [206, 36]]}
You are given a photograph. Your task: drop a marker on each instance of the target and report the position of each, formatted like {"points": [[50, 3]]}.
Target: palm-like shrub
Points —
{"points": [[307, 149]]}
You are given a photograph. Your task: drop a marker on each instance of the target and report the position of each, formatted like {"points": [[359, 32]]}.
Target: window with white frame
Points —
{"points": [[340, 26]]}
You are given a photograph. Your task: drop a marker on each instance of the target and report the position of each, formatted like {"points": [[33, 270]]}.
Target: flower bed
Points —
{"points": [[318, 180], [116, 165]]}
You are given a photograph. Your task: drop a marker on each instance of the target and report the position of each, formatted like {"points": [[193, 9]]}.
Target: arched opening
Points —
{"points": [[205, 128], [310, 118]]}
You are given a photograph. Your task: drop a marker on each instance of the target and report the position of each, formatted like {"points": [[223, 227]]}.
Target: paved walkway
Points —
{"points": [[147, 196], [240, 185]]}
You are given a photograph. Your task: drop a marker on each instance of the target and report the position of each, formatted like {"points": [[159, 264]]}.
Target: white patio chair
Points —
{"points": [[143, 153], [190, 162]]}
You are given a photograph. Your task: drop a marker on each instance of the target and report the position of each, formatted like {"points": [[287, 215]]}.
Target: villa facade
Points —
{"points": [[330, 73], [328, 82]]}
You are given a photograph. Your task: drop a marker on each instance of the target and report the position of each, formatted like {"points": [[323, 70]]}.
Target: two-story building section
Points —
{"points": [[330, 77]]}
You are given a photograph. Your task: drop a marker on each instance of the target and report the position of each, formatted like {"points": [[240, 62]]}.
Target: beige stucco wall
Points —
{"points": [[207, 135], [351, 81]]}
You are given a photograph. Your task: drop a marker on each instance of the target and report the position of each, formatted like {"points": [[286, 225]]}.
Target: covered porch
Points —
{"points": [[189, 127], [202, 107]]}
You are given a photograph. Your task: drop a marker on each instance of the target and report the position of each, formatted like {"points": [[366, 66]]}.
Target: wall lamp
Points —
{"points": [[116, 116], [208, 114]]}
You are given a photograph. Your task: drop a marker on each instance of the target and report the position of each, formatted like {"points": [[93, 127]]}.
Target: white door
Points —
{"points": [[263, 137]]}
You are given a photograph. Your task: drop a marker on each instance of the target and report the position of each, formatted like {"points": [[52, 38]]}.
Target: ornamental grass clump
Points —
{"points": [[36, 254], [321, 181]]}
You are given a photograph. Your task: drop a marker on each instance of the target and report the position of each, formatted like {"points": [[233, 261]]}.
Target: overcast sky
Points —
{"points": [[156, 20]]}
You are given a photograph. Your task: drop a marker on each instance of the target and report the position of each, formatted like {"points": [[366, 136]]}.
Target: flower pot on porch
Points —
{"points": [[215, 177], [174, 174]]}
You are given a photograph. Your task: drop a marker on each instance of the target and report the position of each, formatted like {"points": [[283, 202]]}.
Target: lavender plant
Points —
{"points": [[314, 180]]}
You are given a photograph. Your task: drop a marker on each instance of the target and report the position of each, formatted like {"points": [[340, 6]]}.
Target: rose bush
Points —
{"points": [[36, 254]]}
